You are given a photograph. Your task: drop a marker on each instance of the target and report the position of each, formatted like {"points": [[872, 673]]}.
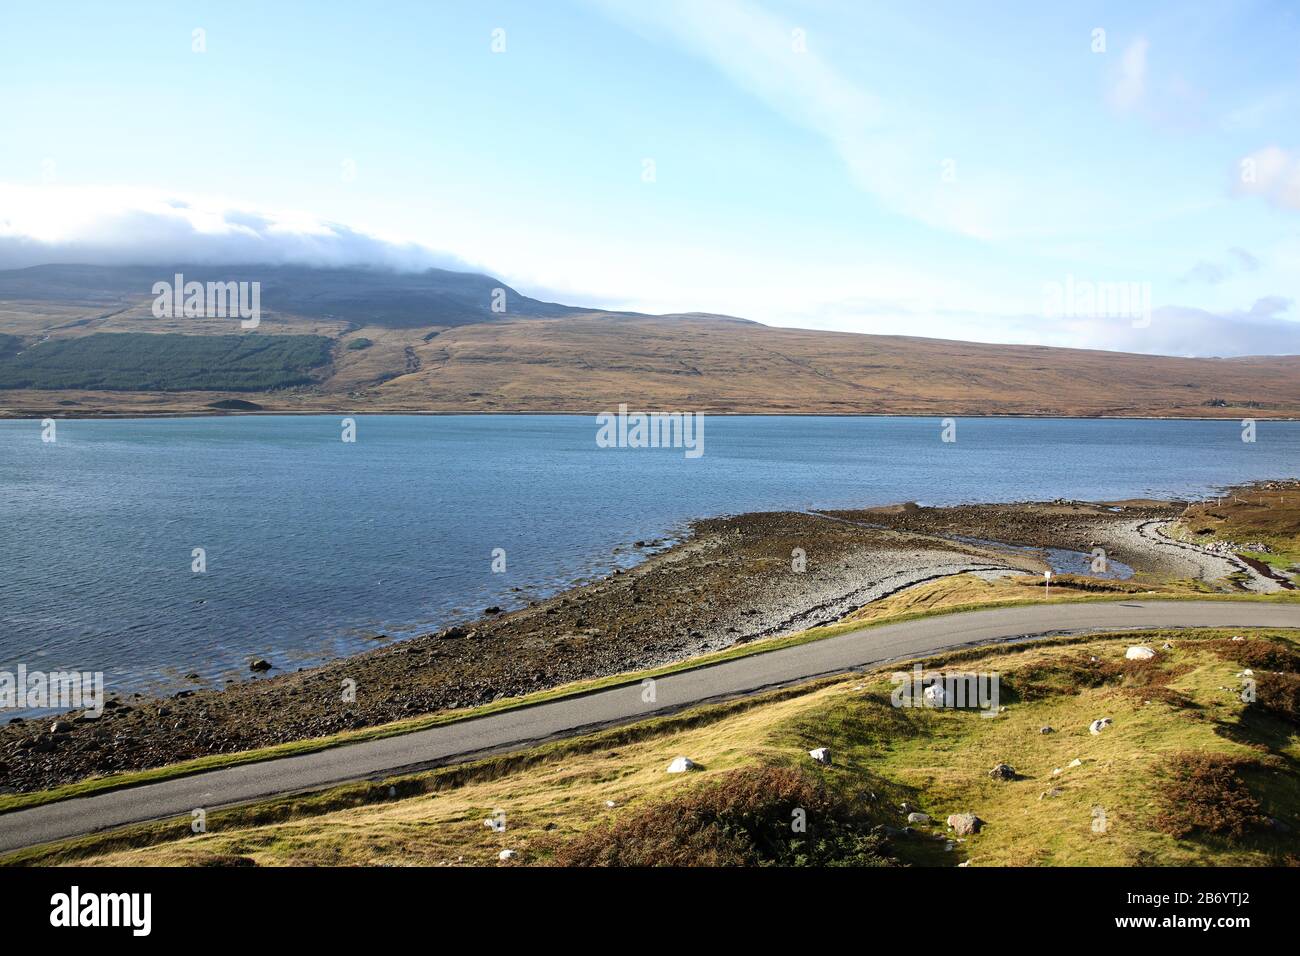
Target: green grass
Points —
{"points": [[1281, 560], [141, 361]]}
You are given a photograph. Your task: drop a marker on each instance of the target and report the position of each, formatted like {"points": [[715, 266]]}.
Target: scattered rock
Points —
{"points": [[258, 664], [492, 610], [1076, 762], [505, 855], [933, 696], [611, 804], [1051, 794], [918, 818], [821, 755], [1003, 771], [965, 824], [61, 727], [1046, 729], [1097, 726], [681, 765], [1139, 653]]}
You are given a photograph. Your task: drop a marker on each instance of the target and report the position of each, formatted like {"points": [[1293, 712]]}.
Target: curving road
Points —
{"points": [[574, 715]]}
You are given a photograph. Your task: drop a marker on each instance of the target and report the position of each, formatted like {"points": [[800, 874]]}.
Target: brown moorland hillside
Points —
{"points": [[594, 361]]}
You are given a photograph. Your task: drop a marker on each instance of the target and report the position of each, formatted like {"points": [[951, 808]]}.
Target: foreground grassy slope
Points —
{"points": [[1187, 774]]}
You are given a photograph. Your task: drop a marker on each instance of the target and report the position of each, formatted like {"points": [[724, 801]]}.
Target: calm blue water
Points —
{"points": [[313, 543]]}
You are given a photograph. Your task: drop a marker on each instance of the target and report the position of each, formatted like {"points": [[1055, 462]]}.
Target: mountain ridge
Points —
{"points": [[430, 341]]}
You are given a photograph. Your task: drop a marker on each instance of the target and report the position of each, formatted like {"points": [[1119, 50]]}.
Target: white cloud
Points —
{"points": [[1273, 174], [888, 152], [1130, 82], [126, 226]]}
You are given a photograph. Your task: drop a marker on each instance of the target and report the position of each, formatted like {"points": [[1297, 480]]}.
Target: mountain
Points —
{"points": [[364, 296], [430, 342]]}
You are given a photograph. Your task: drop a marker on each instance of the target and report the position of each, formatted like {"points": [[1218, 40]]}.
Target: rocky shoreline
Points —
{"points": [[731, 580]]}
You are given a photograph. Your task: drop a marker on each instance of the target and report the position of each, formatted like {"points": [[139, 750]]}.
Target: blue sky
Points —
{"points": [[927, 169]]}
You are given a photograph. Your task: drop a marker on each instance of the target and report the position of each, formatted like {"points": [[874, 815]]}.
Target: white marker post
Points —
{"points": [[1047, 584]]}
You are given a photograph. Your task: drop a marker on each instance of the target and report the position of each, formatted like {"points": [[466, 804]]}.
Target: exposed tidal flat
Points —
{"points": [[312, 546]]}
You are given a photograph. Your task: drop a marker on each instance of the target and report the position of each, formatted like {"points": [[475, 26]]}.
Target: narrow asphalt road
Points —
{"points": [[528, 725]]}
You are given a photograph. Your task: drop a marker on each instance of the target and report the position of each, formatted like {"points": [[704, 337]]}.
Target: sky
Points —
{"points": [[926, 169]]}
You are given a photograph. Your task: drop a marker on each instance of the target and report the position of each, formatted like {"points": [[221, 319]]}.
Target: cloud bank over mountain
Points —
{"points": [[124, 226], [127, 226]]}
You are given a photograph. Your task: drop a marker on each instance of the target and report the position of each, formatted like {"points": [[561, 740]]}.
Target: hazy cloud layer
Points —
{"points": [[1263, 329], [1266, 328], [108, 226]]}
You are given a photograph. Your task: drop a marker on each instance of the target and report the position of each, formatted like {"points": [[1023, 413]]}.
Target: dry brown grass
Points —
{"points": [[1205, 794], [1257, 652], [745, 817], [1279, 694]]}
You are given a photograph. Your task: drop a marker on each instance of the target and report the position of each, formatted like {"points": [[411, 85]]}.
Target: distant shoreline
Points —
{"points": [[64, 415]]}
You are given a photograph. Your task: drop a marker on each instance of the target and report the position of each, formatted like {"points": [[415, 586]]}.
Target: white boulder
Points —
{"points": [[1139, 653], [965, 824], [1097, 726], [821, 755], [506, 855], [681, 765]]}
